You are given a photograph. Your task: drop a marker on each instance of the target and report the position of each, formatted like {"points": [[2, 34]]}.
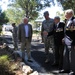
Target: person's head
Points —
{"points": [[13, 24], [46, 15], [69, 13], [57, 19], [25, 20]]}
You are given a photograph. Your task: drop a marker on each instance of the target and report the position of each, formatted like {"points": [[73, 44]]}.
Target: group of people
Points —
{"points": [[23, 35], [56, 35], [60, 36]]}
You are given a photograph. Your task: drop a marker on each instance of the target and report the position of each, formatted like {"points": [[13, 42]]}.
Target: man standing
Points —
{"points": [[14, 34], [59, 47], [70, 33], [25, 37], [47, 27]]}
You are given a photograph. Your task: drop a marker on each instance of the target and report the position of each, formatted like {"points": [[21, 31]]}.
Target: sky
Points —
{"points": [[3, 4], [52, 10]]}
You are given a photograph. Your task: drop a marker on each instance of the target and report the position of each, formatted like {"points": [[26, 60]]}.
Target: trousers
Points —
{"points": [[26, 44]]}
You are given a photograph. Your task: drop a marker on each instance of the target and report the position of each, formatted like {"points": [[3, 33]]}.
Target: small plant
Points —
{"points": [[5, 66]]}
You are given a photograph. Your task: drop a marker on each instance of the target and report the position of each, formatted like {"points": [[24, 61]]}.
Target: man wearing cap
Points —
{"points": [[47, 27]]}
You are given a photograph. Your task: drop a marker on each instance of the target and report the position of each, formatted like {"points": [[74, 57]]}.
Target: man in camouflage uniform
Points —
{"points": [[14, 34], [47, 28]]}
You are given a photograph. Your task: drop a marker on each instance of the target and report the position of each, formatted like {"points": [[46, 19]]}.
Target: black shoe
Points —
{"points": [[71, 73], [47, 61], [55, 64], [64, 71], [60, 68], [29, 60]]}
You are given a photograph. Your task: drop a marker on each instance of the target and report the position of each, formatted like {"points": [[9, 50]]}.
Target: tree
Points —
{"points": [[67, 4], [14, 15], [61, 15], [31, 7], [3, 18]]}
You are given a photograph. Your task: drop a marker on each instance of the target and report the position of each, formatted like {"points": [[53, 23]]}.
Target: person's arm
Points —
{"points": [[31, 31], [42, 29], [52, 32]]}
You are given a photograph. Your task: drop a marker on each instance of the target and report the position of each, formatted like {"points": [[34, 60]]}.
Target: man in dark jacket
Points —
{"points": [[58, 36], [25, 37], [70, 32]]}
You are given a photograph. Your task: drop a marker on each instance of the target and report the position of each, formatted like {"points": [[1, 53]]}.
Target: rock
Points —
{"points": [[34, 73], [27, 69]]}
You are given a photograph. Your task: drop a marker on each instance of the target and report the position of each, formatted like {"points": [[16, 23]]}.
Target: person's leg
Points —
{"points": [[72, 61], [23, 49], [61, 50], [66, 65], [66, 61], [52, 45], [47, 44], [56, 55], [16, 45], [28, 47], [15, 42]]}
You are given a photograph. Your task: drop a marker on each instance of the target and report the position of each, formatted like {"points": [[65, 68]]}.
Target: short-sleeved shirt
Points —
{"points": [[48, 25]]}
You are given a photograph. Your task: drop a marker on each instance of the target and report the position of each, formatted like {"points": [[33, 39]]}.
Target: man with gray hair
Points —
{"points": [[25, 37], [70, 33], [59, 47], [47, 27]]}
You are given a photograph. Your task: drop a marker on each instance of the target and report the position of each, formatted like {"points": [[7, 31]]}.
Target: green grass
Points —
{"points": [[5, 66]]}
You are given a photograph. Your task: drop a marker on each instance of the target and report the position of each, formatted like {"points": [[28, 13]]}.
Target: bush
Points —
{"points": [[36, 32], [5, 66]]}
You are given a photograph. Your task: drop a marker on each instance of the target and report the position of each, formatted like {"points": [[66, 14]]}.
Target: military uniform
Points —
{"points": [[59, 47], [48, 25], [15, 39]]}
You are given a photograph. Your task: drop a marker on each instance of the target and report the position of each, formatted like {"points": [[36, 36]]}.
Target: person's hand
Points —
{"points": [[45, 33], [74, 47], [63, 41]]}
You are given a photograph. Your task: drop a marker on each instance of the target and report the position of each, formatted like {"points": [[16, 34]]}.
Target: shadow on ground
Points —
{"points": [[39, 57]]}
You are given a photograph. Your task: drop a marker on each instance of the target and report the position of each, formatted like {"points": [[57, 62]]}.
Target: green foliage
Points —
{"points": [[15, 15], [31, 7], [68, 4], [26, 8], [61, 15], [5, 68], [4, 60], [4, 57], [3, 18]]}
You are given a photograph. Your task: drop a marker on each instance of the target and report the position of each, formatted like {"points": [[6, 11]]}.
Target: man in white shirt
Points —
{"points": [[25, 37]]}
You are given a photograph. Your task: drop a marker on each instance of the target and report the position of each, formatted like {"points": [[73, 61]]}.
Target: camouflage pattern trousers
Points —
{"points": [[49, 43], [15, 42]]}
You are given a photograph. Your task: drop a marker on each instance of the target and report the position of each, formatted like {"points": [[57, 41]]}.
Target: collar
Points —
{"points": [[69, 19], [58, 23]]}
